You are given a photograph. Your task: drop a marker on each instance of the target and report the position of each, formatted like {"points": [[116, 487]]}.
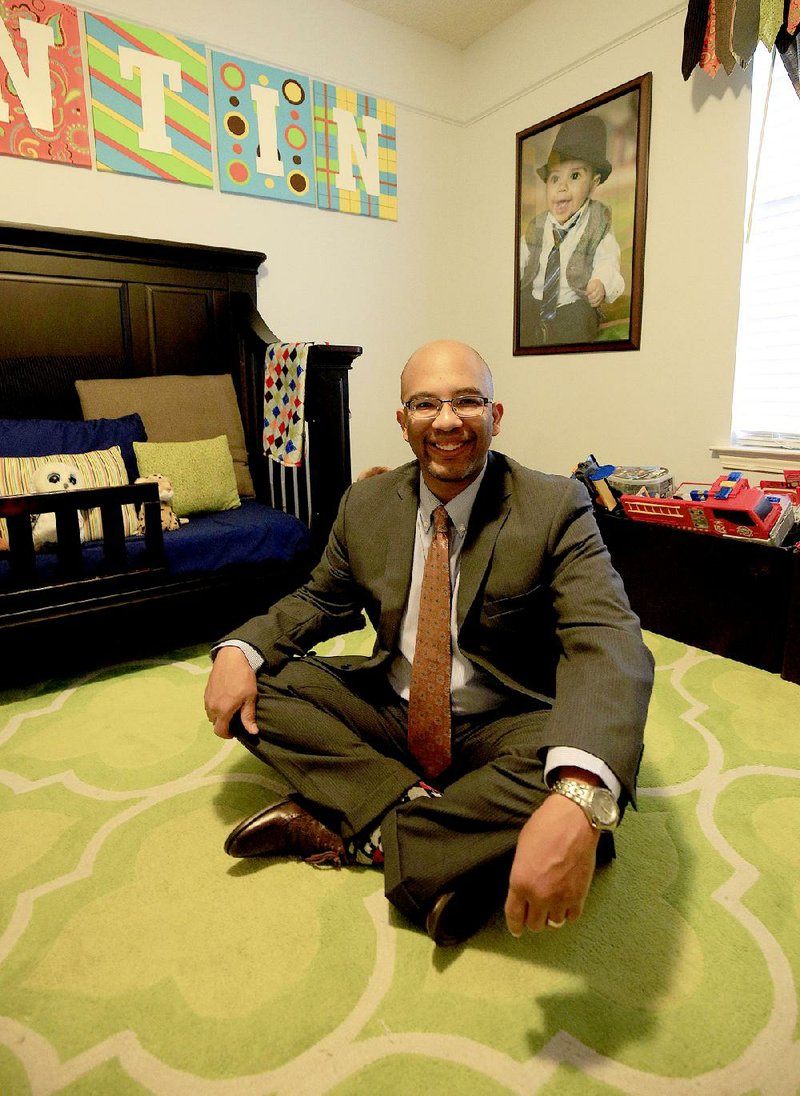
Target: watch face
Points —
{"points": [[604, 808]]}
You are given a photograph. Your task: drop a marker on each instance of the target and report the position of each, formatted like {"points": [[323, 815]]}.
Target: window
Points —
{"points": [[766, 400]]}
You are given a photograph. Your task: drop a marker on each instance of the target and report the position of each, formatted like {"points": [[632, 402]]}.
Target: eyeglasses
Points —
{"points": [[429, 407]]}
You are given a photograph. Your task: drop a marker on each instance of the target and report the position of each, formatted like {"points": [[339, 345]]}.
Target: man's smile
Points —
{"points": [[448, 447]]}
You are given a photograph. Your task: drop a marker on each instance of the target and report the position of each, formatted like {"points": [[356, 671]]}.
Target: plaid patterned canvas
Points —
{"points": [[355, 149]]}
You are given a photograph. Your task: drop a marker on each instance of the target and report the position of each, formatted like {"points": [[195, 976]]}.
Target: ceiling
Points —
{"points": [[458, 22]]}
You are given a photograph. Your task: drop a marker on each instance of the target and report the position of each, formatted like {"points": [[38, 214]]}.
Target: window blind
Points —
{"points": [[766, 401]]}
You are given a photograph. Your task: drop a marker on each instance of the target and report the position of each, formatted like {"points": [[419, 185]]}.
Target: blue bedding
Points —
{"points": [[251, 534]]}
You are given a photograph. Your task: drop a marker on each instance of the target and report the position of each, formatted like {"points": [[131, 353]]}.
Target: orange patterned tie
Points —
{"points": [[429, 697]]}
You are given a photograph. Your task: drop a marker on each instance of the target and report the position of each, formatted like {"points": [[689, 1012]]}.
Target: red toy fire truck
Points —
{"points": [[729, 507], [788, 486]]}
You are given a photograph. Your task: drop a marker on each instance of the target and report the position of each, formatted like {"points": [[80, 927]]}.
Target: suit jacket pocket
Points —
{"points": [[495, 609]]}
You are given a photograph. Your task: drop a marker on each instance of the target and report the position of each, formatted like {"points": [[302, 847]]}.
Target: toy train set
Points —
{"points": [[729, 507]]}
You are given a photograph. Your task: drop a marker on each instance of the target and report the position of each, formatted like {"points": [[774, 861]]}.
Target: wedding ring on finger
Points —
{"points": [[554, 924]]}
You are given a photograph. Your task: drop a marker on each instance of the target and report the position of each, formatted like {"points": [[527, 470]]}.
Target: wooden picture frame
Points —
{"points": [[593, 159]]}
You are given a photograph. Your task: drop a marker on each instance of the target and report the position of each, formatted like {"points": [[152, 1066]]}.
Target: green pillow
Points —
{"points": [[201, 472]]}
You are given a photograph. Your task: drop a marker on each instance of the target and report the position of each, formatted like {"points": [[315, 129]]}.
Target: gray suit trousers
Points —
{"points": [[340, 741]]}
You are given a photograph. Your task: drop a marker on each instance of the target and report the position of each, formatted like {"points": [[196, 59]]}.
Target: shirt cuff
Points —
{"points": [[250, 653], [558, 756]]}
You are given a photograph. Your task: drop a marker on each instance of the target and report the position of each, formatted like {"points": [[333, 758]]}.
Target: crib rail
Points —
{"points": [[67, 507]]}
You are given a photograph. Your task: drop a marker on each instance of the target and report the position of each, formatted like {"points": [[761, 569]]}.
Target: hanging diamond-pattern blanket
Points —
{"points": [[284, 388]]}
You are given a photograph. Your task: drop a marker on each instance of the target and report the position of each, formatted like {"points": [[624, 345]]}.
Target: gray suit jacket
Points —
{"points": [[539, 607]]}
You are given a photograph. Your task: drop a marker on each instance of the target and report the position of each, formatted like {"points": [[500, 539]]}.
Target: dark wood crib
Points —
{"points": [[77, 306]]}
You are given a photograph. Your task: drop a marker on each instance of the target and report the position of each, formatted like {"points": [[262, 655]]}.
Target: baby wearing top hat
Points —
{"points": [[570, 257]]}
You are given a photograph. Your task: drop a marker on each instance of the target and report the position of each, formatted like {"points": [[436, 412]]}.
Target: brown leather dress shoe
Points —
{"points": [[286, 829], [456, 915]]}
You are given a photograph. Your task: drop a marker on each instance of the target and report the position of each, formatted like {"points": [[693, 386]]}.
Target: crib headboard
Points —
{"points": [[79, 305]]}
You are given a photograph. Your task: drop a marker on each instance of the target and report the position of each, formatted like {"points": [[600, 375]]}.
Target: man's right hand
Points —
{"points": [[231, 688]]}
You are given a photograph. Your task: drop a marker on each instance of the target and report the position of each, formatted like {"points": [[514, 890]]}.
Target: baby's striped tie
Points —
{"points": [[552, 275]]}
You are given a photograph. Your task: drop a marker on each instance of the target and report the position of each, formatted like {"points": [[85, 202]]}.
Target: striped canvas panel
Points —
{"points": [[117, 104]]}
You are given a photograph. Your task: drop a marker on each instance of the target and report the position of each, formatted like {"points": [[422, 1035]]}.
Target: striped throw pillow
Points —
{"points": [[103, 468]]}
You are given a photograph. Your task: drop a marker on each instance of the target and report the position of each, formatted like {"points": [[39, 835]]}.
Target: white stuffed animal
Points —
{"points": [[51, 478], [166, 493]]}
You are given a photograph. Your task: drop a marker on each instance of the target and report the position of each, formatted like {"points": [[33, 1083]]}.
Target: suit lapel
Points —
{"points": [[488, 516], [399, 541]]}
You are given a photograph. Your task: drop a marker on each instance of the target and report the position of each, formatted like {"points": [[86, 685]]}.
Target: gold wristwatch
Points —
{"points": [[598, 804]]}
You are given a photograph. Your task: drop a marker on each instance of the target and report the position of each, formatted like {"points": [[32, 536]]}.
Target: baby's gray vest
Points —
{"points": [[579, 267]]}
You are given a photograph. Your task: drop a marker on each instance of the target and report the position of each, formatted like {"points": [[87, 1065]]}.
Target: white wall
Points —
{"points": [[445, 269]]}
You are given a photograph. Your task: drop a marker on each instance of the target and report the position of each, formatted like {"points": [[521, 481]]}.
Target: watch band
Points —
{"points": [[589, 797], [576, 790]]}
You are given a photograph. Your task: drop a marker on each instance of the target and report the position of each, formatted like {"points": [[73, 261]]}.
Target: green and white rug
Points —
{"points": [[135, 957]]}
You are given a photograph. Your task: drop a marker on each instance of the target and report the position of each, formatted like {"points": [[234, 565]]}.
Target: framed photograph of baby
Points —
{"points": [[580, 225]]}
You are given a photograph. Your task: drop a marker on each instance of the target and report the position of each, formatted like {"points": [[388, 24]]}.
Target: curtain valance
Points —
{"points": [[726, 33]]}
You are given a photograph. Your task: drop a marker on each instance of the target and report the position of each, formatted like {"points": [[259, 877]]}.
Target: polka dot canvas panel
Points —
{"points": [[264, 134]]}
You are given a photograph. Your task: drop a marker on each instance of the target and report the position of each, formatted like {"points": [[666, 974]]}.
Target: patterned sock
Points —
{"points": [[367, 849], [416, 791]]}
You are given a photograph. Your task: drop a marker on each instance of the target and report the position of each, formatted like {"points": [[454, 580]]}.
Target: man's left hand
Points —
{"points": [[553, 867]]}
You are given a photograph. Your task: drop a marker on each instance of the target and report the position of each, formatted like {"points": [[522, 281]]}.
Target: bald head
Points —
{"points": [[438, 358], [451, 447]]}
